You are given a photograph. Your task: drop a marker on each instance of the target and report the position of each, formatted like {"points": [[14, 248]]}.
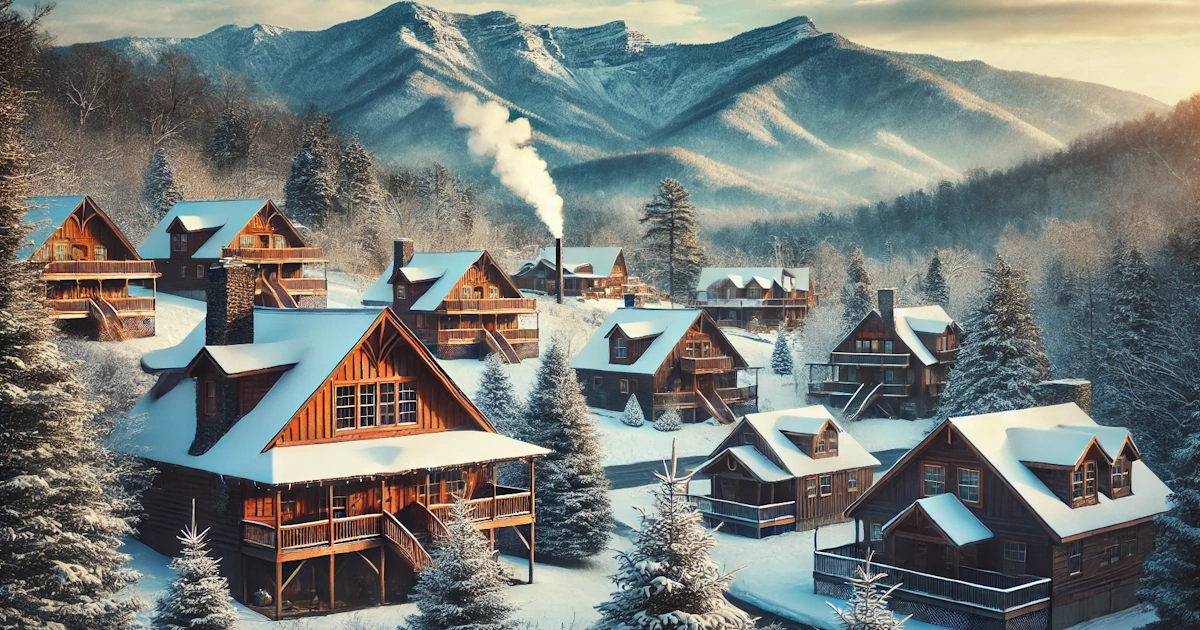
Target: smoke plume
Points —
{"points": [[516, 163]]}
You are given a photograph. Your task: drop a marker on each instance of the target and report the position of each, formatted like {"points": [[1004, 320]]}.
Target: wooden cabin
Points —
{"points": [[667, 358], [96, 284], [783, 471], [895, 362], [766, 296], [588, 272], [1035, 519], [461, 305], [195, 234], [323, 449]]}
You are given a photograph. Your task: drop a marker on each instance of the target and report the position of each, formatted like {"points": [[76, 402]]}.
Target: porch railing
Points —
{"points": [[507, 503], [131, 303], [868, 358], [498, 304], [460, 335], [101, 267], [1033, 590], [706, 364], [274, 254], [68, 306], [520, 334], [737, 393], [410, 547], [744, 511], [674, 399], [947, 355], [312, 533], [833, 387], [304, 284], [894, 389]]}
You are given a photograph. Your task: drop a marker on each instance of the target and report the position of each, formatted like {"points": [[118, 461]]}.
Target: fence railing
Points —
{"points": [[674, 399], [868, 358], [124, 304], [498, 304], [1032, 590], [520, 334], [101, 267], [744, 511], [706, 364], [737, 393], [274, 254], [304, 284]]}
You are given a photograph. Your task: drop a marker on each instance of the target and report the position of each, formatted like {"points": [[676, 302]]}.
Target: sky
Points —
{"points": [[1147, 46]]}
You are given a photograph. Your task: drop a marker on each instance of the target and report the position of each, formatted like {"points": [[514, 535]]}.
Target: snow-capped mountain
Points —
{"points": [[782, 117]]}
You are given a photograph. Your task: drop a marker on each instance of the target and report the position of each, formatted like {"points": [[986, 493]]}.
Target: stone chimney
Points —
{"points": [[230, 296], [1066, 390], [887, 306], [402, 252]]}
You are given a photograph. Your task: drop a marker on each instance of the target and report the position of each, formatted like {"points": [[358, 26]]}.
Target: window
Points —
{"points": [[826, 485], [210, 398], [888, 347], [245, 241], [182, 271], [831, 441], [493, 293], [366, 405], [100, 252], [179, 242], [199, 271], [1077, 485], [876, 532], [465, 293], [753, 293], [889, 376], [968, 485], [810, 488], [62, 251], [343, 410], [819, 445], [862, 345], [407, 401], [401, 292], [619, 348], [387, 404], [339, 502], [1014, 558], [1075, 559], [852, 481], [1112, 548], [597, 382], [1120, 475], [1129, 541], [934, 480], [280, 241], [1089, 480], [624, 386]]}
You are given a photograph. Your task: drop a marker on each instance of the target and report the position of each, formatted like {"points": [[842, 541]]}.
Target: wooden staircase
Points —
{"points": [[716, 407], [107, 320], [405, 542], [499, 344], [862, 400]]}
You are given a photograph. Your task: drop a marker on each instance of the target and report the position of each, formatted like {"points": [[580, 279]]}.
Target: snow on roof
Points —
{"points": [[921, 319], [380, 292], [990, 435], [1055, 446], [757, 464], [672, 325], [45, 215], [443, 267], [951, 516], [641, 330], [602, 259], [230, 216], [790, 278], [251, 357]]}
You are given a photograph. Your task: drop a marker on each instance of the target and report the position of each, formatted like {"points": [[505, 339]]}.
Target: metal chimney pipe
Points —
{"points": [[558, 264]]}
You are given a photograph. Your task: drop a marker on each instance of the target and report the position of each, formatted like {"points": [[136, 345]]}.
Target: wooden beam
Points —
{"points": [[293, 575], [382, 578], [332, 585], [531, 542], [278, 590]]}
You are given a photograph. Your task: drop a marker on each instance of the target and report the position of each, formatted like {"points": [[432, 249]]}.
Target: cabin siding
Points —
{"points": [[831, 508], [1101, 587]]}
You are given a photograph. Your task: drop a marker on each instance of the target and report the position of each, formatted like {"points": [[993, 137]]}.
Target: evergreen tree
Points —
{"points": [[857, 301], [867, 608], [358, 190], [934, 287], [633, 415], [1002, 357], [464, 589], [159, 191], [60, 502], [1171, 577], [199, 598], [310, 191], [497, 398], [669, 581], [229, 147], [668, 420], [574, 513], [782, 362], [673, 236], [1135, 305]]}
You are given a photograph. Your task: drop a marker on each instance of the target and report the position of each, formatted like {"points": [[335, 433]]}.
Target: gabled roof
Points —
{"points": [[45, 215], [959, 524], [227, 217], [789, 278], [772, 426], [601, 259], [1053, 446], [910, 321], [444, 269], [244, 358], [668, 326], [762, 468]]}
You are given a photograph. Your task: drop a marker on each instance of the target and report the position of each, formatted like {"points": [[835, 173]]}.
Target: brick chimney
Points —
{"points": [[230, 296], [887, 306], [402, 253], [1066, 390]]}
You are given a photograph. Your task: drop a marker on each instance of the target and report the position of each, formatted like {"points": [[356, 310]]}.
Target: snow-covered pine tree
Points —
{"points": [[59, 561], [857, 300], [229, 147], [311, 188], [672, 237], [782, 362], [1135, 316], [867, 608], [199, 598], [1171, 577], [574, 513], [633, 415], [159, 191], [464, 589], [497, 398], [1002, 356], [358, 190], [668, 420], [934, 286], [669, 581]]}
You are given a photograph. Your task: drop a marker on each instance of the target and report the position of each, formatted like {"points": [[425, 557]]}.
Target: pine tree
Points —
{"points": [[934, 287], [464, 589], [159, 191], [1171, 577], [669, 581], [857, 301], [199, 598], [497, 398], [673, 236], [782, 362], [229, 147], [60, 502], [1002, 356], [1135, 305], [867, 608], [358, 190], [633, 415], [574, 513], [668, 420], [310, 191]]}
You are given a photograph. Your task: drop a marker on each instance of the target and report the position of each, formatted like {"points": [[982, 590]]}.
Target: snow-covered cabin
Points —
{"points": [[461, 305], [195, 234], [667, 358], [737, 296], [323, 447], [96, 284], [591, 272], [784, 471], [895, 362], [1037, 518]]}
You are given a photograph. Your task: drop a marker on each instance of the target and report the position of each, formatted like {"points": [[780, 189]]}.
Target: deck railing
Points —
{"points": [[947, 355], [737, 393], [894, 389], [68, 306], [674, 399], [744, 511], [101, 267], [706, 364], [497, 304], [304, 284], [507, 503], [520, 334], [460, 335], [300, 535], [868, 358], [313, 533], [833, 387], [1027, 590], [396, 532], [260, 534], [274, 254], [124, 304]]}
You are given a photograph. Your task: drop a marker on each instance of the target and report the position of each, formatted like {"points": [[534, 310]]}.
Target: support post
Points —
{"points": [[532, 507], [329, 505], [278, 590], [531, 527], [332, 587], [278, 555], [382, 581]]}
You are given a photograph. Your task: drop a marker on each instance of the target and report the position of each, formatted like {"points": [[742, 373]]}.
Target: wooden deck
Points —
{"points": [[275, 255]]}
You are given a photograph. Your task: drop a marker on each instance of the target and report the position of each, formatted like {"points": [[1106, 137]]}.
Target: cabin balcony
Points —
{"points": [[275, 255], [759, 516], [946, 356], [99, 270], [80, 308], [497, 305], [738, 394], [706, 365], [868, 359], [315, 538], [681, 400], [505, 508], [305, 286], [520, 335]]}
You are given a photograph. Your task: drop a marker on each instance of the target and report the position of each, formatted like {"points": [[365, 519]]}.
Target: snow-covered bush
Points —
{"points": [[199, 598], [867, 608], [633, 415], [668, 420]]}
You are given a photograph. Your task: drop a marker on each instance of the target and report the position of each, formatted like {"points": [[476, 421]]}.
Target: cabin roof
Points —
{"points": [[772, 426], [227, 216], [252, 357], [762, 468], [443, 268], [45, 215], [950, 516], [601, 259], [671, 326], [910, 321], [790, 278]]}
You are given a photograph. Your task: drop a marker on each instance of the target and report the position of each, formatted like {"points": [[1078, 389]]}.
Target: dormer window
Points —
{"points": [[210, 398], [1120, 476], [831, 441], [401, 291], [753, 293], [1083, 483], [819, 444], [179, 242], [619, 348]]}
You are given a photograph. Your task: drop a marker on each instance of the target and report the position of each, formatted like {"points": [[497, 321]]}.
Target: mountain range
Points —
{"points": [[780, 118]]}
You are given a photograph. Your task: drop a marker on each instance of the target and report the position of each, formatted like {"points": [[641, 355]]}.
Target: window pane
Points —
{"points": [[366, 405], [935, 480], [852, 480], [344, 407], [387, 403], [100, 252], [826, 485], [968, 485], [245, 241], [406, 396]]}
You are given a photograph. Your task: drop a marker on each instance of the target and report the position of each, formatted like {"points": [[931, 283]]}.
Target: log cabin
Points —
{"points": [[667, 358], [195, 234], [588, 272], [895, 362], [767, 296], [783, 471], [323, 449], [461, 305], [96, 284], [1035, 519]]}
